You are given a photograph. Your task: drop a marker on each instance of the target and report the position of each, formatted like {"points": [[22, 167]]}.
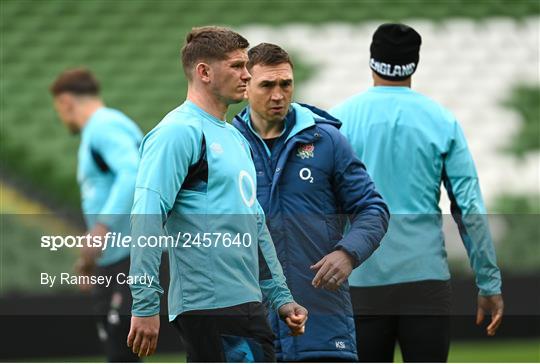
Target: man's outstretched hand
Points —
{"points": [[143, 335], [295, 316], [332, 270], [493, 305]]}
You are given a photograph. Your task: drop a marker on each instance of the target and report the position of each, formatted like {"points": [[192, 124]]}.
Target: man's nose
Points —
{"points": [[276, 96], [246, 76]]}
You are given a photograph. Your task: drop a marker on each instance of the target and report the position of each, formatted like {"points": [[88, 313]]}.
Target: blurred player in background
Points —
{"points": [[308, 183], [410, 144], [197, 177], [107, 167]]}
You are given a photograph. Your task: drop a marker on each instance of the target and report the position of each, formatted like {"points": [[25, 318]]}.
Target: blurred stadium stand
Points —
{"points": [[472, 55]]}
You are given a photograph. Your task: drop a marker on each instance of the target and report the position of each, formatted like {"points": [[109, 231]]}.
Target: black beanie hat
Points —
{"points": [[395, 51]]}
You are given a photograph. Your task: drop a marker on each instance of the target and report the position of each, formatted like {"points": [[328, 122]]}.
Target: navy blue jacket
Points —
{"points": [[310, 187]]}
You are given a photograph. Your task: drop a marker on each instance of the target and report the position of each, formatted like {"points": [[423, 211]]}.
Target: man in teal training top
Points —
{"points": [[107, 167], [197, 184], [410, 145]]}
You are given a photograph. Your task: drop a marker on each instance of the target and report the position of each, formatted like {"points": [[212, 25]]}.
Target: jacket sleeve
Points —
{"points": [[271, 278], [461, 182], [120, 151], [166, 154], [357, 197]]}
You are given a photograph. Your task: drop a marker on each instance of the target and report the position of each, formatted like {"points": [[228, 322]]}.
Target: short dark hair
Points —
{"points": [[78, 81], [268, 54], [209, 43]]}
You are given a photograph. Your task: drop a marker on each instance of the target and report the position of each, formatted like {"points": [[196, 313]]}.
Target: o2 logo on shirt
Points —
{"points": [[305, 175], [245, 181]]}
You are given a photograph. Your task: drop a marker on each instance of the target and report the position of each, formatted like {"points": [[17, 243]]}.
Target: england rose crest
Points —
{"points": [[306, 151]]}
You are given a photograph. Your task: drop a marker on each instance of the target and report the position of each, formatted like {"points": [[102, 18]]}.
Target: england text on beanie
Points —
{"points": [[395, 51]]}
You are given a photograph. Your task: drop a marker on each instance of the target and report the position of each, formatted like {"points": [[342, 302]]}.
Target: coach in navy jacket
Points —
{"points": [[310, 185]]}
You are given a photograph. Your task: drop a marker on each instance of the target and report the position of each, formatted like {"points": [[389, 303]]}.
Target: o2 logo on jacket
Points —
{"points": [[305, 175], [245, 181]]}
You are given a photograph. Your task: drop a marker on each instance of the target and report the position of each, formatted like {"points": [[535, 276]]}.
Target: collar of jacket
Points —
{"points": [[307, 117], [304, 131], [304, 120]]}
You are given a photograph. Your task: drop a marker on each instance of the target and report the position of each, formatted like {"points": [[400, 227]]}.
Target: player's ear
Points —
{"points": [[66, 101], [63, 98], [203, 72]]}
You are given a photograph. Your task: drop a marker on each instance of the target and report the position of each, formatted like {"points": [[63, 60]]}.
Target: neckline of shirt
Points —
{"points": [[93, 117], [207, 115], [390, 89]]}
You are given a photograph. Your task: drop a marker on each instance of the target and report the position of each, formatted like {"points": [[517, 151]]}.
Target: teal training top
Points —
{"points": [[224, 256], [410, 144], [107, 167]]}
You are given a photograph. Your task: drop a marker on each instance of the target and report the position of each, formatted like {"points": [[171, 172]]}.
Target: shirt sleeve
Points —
{"points": [[167, 152], [461, 182], [358, 198], [336, 111], [271, 278], [120, 152]]}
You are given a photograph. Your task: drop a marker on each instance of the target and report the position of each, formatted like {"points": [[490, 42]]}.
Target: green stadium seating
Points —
{"points": [[134, 49]]}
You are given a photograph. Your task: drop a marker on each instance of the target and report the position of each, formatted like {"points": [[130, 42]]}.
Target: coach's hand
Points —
{"points": [[295, 316], [143, 335], [332, 270], [493, 305]]}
